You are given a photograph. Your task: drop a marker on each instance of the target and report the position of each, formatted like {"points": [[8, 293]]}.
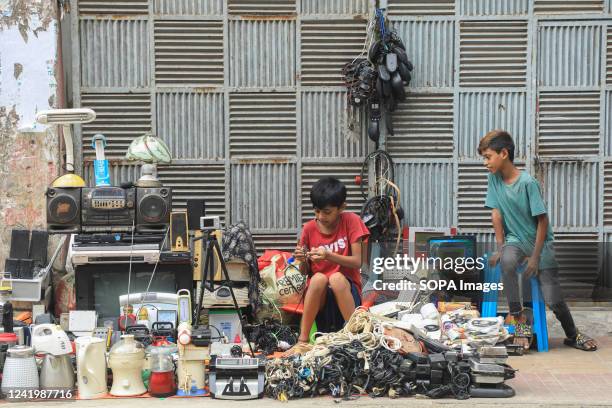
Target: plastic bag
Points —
{"points": [[281, 282], [65, 297]]}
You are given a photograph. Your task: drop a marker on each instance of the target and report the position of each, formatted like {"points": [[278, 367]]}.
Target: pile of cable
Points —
{"points": [[362, 359], [270, 336], [340, 364], [343, 372]]}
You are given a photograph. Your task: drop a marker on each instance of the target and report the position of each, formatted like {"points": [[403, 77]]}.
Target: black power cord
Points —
{"points": [[269, 334]]}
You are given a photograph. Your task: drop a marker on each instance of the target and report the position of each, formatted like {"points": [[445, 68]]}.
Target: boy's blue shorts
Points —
{"points": [[330, 319]]}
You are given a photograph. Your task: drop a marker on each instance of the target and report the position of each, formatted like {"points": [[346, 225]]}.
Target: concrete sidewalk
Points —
{"points": [[561, 377]]}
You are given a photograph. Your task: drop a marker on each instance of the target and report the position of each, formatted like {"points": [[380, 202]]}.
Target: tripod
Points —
{"points": [[207, 280]]}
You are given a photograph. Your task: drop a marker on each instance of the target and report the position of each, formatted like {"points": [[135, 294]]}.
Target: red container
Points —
{"points": [[162, 384]]}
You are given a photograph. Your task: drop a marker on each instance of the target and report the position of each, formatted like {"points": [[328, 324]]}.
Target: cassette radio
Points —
{"points": [[108, 209], [108, 206]]}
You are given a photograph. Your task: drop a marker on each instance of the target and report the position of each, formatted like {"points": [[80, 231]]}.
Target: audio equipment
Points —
{"points": [[179, 240], [196, 208], [197, 256], [20, 243], [107, 208], [38, 248], [11, 265], [63, 210], [153, 209], [91, 253]]}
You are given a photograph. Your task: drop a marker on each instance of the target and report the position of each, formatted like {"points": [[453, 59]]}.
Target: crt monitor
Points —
{"points": [[454, 248]]}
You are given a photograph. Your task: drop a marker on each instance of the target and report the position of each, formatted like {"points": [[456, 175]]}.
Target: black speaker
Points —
{"points": [[63, 210], [153, 209], [196, 208], [20, 243], [38, 248], [11, 265], [25, 270]]}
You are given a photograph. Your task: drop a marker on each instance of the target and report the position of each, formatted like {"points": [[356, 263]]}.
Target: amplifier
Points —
{"points": [[236, 378]]}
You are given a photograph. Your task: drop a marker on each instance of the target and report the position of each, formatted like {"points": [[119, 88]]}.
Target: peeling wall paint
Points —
{"points": [[29, 152]]}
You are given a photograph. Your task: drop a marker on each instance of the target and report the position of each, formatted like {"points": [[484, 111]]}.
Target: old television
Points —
{"points": [[99, 286]]}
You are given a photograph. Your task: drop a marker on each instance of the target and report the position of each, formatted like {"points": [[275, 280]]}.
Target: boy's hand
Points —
{"points": [[300, 254], [494, 259], [531, 269], [319, 254]]}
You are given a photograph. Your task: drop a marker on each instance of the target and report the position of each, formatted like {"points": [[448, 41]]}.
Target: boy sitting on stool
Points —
{"points": [[330, 251], [523, 235]]}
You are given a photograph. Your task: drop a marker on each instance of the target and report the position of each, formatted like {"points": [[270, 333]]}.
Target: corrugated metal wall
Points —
{"points": [[542, 70], [248, 95]]}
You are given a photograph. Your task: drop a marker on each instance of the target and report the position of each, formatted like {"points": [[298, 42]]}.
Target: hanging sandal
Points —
{"points": [[580, 342]]}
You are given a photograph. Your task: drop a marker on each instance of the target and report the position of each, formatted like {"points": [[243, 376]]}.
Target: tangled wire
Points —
{"points": [[270, 336], [360, 360]]}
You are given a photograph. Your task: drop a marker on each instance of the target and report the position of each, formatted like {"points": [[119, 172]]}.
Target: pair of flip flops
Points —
{"points": [[581, 342], [523, 329]]}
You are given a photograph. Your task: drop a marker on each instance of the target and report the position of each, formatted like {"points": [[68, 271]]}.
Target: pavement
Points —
{"points": [[562, 377]]}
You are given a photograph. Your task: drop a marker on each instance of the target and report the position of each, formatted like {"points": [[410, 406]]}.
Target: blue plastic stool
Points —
{"points": [[489, 303]]}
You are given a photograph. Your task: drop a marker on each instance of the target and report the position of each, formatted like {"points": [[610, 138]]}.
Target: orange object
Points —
{"points": [[25, 317]]}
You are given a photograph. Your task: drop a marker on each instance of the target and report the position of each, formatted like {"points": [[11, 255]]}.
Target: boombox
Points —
{"points": [[108, 209]]}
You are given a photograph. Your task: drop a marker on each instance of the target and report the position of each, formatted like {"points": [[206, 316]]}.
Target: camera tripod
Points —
{"points": [[207, 279]]}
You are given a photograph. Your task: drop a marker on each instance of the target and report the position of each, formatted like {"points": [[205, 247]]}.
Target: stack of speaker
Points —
{"points": [[27, 254]]}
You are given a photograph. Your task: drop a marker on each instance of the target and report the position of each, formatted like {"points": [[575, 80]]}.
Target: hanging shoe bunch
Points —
{"points": [[377, 82]]}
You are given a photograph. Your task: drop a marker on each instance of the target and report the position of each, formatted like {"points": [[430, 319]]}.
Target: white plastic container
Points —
{"points": [[91, 367], [126, 359]]}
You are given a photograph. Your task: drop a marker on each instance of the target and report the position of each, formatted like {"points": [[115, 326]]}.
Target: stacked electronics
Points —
{"points": [[489, 371]]}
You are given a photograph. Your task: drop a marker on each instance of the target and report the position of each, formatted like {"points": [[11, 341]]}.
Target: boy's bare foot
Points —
{"points": [[301, 347]]}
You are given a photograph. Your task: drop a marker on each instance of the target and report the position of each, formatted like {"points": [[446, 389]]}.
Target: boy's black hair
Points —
{"points": [[327, 191], [497, 140]]}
